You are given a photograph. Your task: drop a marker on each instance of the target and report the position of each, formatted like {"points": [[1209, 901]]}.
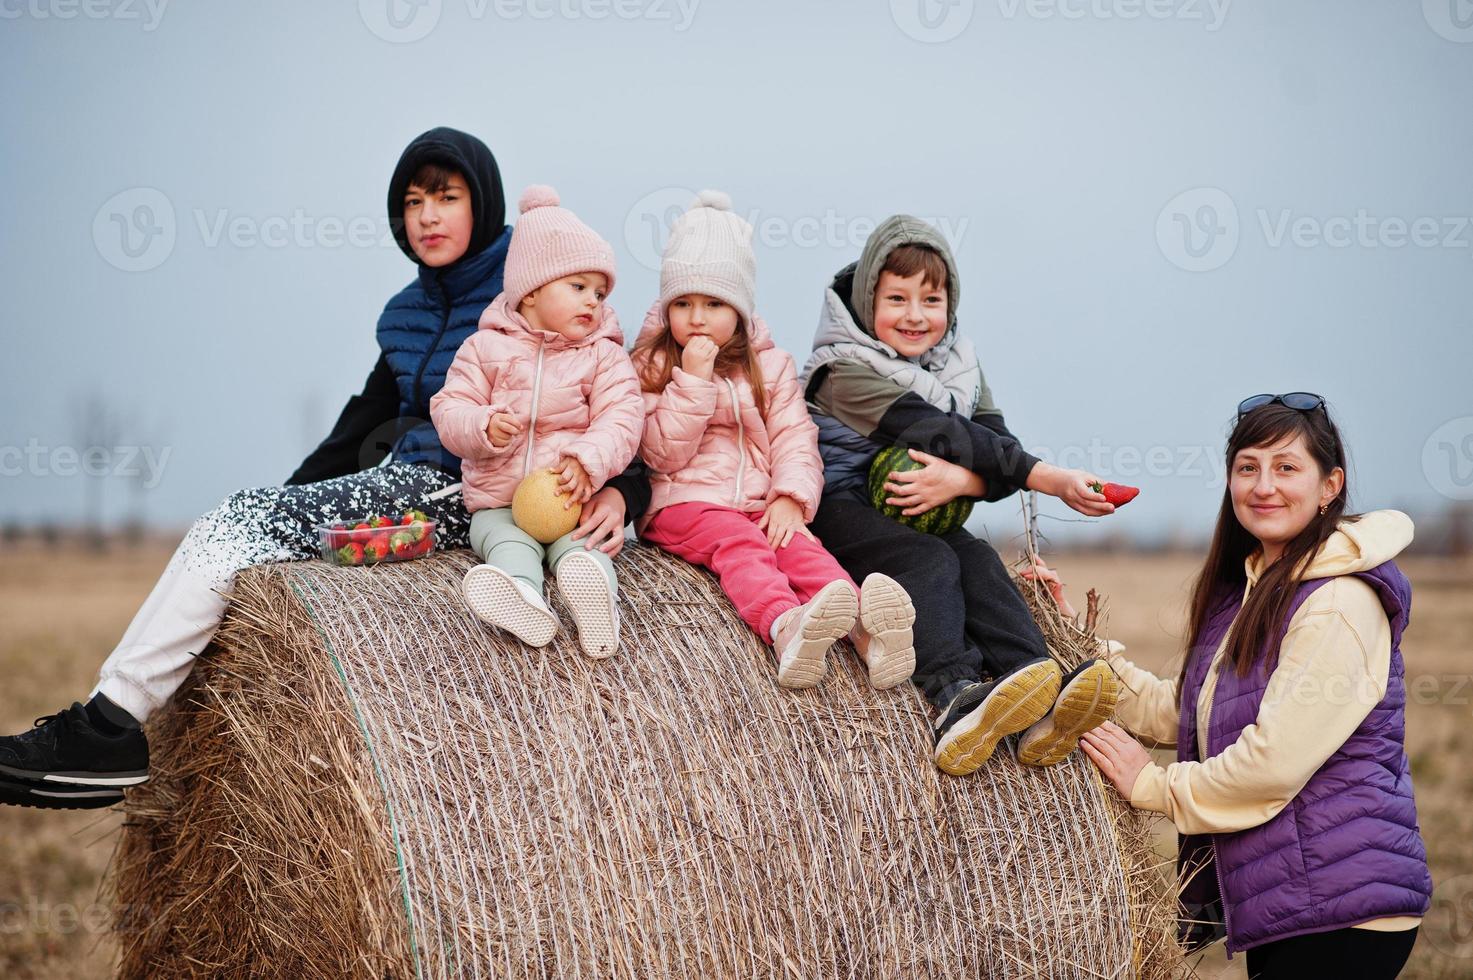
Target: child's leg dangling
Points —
{"points": [[590, 588], [506, 591]]}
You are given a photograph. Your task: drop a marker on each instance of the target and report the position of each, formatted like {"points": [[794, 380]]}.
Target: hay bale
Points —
{"points": [[362, 780]]}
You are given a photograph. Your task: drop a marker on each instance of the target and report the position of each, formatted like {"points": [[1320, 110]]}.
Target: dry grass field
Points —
{"points": [[62, 607]]}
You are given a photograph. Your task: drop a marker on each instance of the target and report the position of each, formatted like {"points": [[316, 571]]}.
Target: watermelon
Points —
{"points": [[939, 520]]}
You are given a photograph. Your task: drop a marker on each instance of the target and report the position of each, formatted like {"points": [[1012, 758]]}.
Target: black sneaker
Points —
{"points": [[57, 796], [64, 750], [982, 714], [1086, 701]]}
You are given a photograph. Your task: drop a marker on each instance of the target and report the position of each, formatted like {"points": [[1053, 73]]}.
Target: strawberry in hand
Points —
{"points": [[1117, 494]]}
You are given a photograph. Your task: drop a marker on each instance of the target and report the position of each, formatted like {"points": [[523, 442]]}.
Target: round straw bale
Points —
{"points": [[360, 779]]}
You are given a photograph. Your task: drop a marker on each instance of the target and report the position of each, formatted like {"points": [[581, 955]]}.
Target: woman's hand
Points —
{"points": [[573, 480], [934, 485], [1050, 578], [501, 428], [699, 357], [602, 522], [1119, 756], [1072, 487], [781, 520]]}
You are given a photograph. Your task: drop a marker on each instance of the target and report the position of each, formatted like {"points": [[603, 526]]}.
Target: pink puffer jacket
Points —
{"points": [[704, 440], [578, 399]]}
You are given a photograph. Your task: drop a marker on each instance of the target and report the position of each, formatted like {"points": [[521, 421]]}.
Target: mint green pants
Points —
{"points": [[498, 541]]}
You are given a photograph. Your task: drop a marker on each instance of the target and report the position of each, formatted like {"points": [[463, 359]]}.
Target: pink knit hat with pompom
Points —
{"points": [[549, 242]]}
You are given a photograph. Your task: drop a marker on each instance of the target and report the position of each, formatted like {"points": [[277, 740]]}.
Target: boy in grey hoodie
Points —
{"points": [[889, 368]]}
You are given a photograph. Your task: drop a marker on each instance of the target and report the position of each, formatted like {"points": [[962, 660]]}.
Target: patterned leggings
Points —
{"points": [[253, 527]]}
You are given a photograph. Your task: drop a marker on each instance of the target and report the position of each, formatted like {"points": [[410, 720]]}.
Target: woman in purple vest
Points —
{"points": [[1291, 791]]}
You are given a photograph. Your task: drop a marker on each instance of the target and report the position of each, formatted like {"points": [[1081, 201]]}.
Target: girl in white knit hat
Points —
{"points": [[735, 473]]}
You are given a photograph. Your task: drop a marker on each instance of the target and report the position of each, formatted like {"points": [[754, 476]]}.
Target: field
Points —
{"points": [[62, 607]]}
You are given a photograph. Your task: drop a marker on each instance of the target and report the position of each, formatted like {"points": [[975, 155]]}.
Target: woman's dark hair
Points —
{"points": [[1223, 572]]}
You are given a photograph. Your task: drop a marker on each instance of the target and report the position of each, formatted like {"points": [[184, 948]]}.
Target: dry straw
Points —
{"points": [[362, 780]]}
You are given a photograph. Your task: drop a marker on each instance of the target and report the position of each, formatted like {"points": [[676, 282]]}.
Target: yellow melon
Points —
{"points": [[537, 507]]}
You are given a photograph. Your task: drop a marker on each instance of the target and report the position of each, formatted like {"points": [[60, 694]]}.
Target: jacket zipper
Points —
{"points": [[434, 346], [1227, 915], [736, 409], [536, 397]]}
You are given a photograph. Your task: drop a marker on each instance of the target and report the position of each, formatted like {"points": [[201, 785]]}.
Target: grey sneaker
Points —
{"points": [[802, 636]]}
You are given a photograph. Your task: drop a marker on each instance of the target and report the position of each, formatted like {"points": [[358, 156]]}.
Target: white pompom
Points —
{"points": [[537, 196], [719, 200]]}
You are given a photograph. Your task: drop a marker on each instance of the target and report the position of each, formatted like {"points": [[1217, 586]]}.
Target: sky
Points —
{"points": [[1158, 207]]}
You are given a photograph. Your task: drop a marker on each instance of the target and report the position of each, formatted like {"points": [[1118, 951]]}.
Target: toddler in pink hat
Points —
{"points": [[544, 382]]}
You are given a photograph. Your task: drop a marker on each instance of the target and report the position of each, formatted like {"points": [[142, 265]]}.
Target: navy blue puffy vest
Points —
{"points": [[419, 332]]}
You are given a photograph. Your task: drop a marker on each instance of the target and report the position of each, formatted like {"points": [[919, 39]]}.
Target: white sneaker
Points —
{"points": [[501, 600], [802, 636], [887, 618], [585, 587]]}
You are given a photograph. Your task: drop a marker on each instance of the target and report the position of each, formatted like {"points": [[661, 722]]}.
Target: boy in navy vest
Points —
{"points": [[447, 211]]}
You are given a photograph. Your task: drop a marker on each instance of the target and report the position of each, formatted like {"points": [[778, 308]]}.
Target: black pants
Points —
{"points": [[1360, 953], [971, 619]]}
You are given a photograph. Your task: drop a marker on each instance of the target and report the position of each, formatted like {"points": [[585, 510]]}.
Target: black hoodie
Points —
{"points": [[457, 151], [358, 439]]}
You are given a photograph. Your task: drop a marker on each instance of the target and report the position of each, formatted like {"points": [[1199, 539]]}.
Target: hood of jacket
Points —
{"points": [[1357, 545], [474, 160], [893, 232], [501, 318]]}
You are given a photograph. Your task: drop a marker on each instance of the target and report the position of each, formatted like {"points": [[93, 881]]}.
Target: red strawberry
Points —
{"points": [[424, 545], [378, 521], [401, 544], [350, 554], [1116, 493], [338, 537], [361, 532], [376, 550]]}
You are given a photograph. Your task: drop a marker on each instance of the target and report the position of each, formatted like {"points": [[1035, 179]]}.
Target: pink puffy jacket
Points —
{"points": [[704, 440], [573, 398]]}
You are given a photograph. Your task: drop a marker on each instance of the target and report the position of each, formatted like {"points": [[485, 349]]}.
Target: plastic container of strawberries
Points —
{"points": [[376, 539]]}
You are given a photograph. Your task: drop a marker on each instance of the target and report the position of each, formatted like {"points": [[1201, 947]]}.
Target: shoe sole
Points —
{"points": [[585, 588], [23, 794], [1084, 704], [887, 615], [1013, 706], [494, 597], [79, 778], [830, 616]]}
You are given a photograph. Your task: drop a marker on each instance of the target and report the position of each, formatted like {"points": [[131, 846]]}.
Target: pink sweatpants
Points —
{"points": [[761, 582]]}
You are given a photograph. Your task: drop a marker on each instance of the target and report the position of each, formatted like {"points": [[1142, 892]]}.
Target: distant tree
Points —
{"points": [[96, 427]]}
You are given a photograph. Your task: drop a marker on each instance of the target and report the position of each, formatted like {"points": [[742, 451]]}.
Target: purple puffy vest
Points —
{"points": [[1347, 848]]}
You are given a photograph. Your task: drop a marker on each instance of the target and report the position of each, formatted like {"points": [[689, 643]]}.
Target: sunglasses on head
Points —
{"points": [[1303, 401]]}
